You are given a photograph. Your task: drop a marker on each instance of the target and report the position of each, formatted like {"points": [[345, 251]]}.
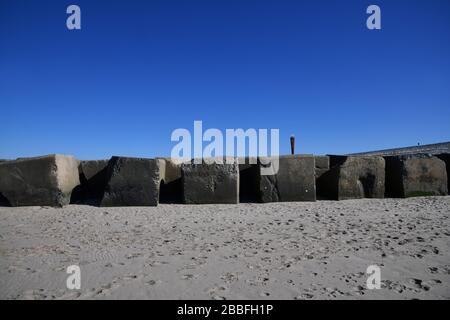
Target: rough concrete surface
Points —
{"points": [[294, 181], [47, 180], [131, 182], [353, 178], [210, 183], [415, 175]]}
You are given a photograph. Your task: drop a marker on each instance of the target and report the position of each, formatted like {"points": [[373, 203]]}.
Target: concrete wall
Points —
{"points": [[434, 149], [136, 181]]}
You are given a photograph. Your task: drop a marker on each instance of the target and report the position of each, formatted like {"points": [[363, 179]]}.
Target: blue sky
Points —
{"points": [[137, 70]]}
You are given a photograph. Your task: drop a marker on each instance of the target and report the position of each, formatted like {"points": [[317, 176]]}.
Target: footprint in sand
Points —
{"points": [[304, 296], [216, 292], [34, 294], [188, 276], [130, 277]]}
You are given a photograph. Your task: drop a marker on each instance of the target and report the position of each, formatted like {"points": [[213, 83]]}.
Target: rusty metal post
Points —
{"points": [[292, 144]]}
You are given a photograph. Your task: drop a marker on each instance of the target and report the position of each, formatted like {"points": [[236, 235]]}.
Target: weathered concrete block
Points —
{"points": [[210, 183], [353, 178], [446, 158], [415, 175], [131, 182], [294, 181], [92, 175], [171, 188], [39, 181]]}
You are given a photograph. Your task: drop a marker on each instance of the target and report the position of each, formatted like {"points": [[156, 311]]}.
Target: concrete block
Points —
{"points": [[294, 181], [210, 183], [131, 182], [39, 181], [415, 175], [353, 178]]}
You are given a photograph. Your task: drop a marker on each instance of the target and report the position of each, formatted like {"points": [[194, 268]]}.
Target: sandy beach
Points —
{"points": [[299, 250]]}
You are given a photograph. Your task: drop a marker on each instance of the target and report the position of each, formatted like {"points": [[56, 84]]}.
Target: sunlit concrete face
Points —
{"points": [[40, 181]]}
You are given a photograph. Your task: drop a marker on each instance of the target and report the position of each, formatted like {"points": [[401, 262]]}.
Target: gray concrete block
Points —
{"points": [[210, 183], [294, 181], [131, 182], [415, 175], [353, 178], [39, 181]]}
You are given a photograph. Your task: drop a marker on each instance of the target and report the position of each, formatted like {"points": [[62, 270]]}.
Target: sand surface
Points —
{"points": [[297, 250]]}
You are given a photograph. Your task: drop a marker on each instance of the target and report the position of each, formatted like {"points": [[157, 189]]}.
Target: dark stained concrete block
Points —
{"points": [[39, 181], [210, 183], [415, 175], [353, 178], [131, 182], [294, 181]]}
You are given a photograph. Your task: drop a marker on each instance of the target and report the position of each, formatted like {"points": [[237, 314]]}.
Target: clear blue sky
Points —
{"points": [[140, 69]]}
